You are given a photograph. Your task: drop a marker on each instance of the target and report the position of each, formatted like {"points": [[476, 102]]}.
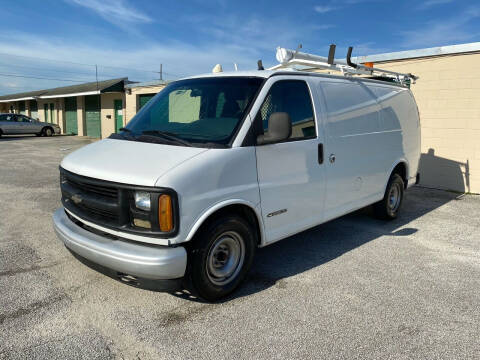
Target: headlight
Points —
{"points": [[142, 200], [154, 211]]}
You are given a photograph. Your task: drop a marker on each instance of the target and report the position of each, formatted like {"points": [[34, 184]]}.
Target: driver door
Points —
{"points": [[25, 126], [291, 175]]}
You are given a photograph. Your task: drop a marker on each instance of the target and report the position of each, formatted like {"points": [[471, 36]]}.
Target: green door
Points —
{"points": [[143, 99], [21, 107], [71, 115], [92, 115], [118, 108], [33, 109], [45, 109], [52, 113]]}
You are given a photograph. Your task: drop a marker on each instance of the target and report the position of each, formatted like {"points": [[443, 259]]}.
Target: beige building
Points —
{"points": [[138, 94], [448, 98], [92, 109]]}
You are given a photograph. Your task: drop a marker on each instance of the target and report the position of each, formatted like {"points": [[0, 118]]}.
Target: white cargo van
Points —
{"points": [[217, 165]]}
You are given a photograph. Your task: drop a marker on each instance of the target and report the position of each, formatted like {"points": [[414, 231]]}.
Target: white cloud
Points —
{"points": [[442, 31], [322, 9], [430, 3], [114, 11], [340, 4], [253, 35]]}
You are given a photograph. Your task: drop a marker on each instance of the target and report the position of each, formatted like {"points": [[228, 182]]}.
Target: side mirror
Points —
{"points": [[279, 129]]}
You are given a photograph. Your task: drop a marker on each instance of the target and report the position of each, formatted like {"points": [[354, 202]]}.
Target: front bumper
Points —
{"points": [[57, 130], [125, 257]]}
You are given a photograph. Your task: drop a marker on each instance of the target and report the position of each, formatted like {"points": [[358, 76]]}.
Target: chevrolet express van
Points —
{"points": [[217, 165]]}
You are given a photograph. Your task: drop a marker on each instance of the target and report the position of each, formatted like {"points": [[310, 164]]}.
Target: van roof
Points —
{"points": [[269, 73]]}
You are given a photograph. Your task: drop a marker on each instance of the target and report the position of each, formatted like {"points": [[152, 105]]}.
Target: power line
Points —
{"points": [[101, 75], [40, 78], [83, 64], [53, 70]]}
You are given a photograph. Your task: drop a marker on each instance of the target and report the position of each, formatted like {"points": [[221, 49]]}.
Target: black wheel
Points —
{"points": [[1, 133], [389, 206], [221, 257], [47, 131]]}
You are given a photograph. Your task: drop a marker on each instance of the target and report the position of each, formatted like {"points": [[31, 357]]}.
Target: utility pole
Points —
{"points": [[96, 75], [161, 70]]}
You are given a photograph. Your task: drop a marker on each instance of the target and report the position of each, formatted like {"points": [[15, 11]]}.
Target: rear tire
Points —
{"points": [[389, 207], [1, 133], [221, 257]]}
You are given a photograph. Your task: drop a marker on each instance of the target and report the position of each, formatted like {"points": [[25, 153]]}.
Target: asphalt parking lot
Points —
{"points": [[353, 288]]}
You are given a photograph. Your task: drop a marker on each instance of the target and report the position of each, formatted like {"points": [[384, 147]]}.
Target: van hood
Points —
{"points": [[127, 162]]}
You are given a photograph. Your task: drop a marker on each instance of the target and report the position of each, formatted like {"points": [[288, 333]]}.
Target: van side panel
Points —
{"points": [[400, 123], [356, 176]]}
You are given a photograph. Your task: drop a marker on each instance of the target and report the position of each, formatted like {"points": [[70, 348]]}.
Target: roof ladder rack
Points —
{"points": [[288, 58]]}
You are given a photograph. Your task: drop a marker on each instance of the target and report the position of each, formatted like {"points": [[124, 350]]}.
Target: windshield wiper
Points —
{"points": [[168, 136]]}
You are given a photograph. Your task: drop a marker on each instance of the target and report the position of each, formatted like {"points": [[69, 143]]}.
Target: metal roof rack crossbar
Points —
{"points": [[287, 58]]}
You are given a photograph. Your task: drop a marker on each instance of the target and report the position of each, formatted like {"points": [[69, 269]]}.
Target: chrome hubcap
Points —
{"points": [[225, 258], [394, 198]]}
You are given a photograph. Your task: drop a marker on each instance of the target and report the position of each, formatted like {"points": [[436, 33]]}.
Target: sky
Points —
{"points": [[50, 43]]}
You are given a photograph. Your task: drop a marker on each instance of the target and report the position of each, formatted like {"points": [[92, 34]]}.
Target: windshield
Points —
{"points": [[196, 111]]}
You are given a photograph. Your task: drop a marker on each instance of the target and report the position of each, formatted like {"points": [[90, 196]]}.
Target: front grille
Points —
{"points": [[95, 189], [113, 216], [91, 199]]}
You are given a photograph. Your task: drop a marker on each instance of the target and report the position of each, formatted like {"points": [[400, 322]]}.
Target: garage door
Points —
{"points": [[71, 115], [92, 115], [33, 109], [21, 107], [143, 99]]}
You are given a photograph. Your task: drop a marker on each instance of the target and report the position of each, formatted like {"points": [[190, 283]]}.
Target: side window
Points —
{"points": [[351, 109], [292, 97]]}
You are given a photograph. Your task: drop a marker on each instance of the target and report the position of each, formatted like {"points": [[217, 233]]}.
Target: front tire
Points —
{"points": [[389, 207], [221, 257], [47, 131]]}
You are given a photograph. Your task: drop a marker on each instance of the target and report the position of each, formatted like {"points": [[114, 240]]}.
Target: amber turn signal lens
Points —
{"points": [[165, 213]]}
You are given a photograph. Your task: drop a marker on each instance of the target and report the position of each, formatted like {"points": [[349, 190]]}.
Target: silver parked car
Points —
{"points": [[13, 124]]}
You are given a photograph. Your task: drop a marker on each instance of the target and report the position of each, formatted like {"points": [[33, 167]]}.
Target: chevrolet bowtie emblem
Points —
{"points": [[76, 199]]}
